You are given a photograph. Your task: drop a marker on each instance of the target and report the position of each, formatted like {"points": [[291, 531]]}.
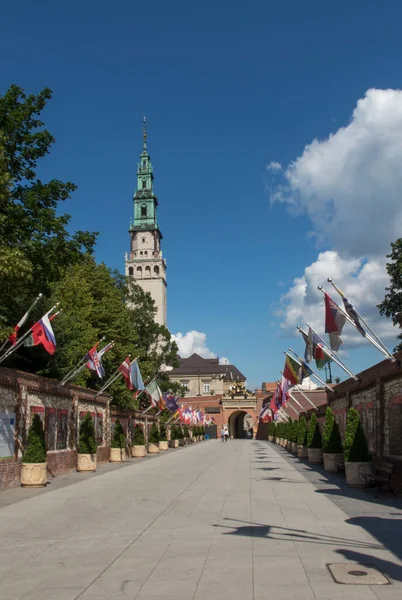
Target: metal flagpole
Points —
{"points": [[78, 367], [283, 414], [297, 402], [312, 372], [111, 380], [34, 303], [300, 390], [379, 347], [330, 353], [375, 336], [20, 341]]}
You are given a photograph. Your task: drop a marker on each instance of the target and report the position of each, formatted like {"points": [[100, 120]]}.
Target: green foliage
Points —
{"points": [[355, 448], [272, 428], [314, 433], [154, 434], [180, 435], [392, 302], [86, 441], [162, 432], [186, 432], [331, 438], [295, 431], [173, 433], [138, 438], [289, 430], [118, 439], [302, 436], [35, 451]]}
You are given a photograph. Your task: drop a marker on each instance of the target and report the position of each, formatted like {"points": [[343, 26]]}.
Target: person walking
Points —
{"points": [[222, 434], [226, 434]]}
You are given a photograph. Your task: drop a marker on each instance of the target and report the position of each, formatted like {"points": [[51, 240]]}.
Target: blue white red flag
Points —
{"points": [[42, 333], [94, 363]]}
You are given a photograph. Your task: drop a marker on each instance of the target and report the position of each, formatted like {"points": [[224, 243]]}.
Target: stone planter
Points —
{"points": [[188, 441], [163, 445], [314, 455], [302, 451], [353, 472], [138, 451], [86, 462], [153, 448], [117, 455], [270, 438], [331, 460], [289, 446], [34, 474], [275, 440], [174, 443], [294, 448], [181, 442]]}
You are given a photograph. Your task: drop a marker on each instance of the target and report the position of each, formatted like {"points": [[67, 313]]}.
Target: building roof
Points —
{"points": [[318, 397], [195, 364], [268, 386]]}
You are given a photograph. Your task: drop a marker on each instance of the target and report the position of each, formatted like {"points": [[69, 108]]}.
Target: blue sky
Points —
{"points": [[227, 87]]}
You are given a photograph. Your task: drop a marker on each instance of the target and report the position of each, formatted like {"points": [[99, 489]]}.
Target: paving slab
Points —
{"points": [[241, 520]]}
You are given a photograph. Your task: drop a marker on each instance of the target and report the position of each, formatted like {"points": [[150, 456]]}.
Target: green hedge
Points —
{"points": [[154, 434], [331, 438], [314, 433], [138, 436], [86, 441], [355, 448], [118, 439], [302, 436], [35, 451]]}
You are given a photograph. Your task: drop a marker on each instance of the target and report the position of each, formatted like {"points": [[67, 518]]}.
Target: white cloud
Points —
{"points": [[274, 166], [224, 361], [193, 341]]}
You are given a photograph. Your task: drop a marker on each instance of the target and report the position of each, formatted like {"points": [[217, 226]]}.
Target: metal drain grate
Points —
{"points": [[355, 574]]}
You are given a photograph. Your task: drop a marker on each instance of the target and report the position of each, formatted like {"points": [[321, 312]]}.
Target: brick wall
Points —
{"points": [[10, 473]]}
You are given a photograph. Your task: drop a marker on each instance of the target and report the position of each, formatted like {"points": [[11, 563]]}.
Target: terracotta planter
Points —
{"points": [[331, 460], [163, 445], [117, 455], [138, 451], [353, 472], [294, 448], [314, 455], [86, 462], [153, 448], [174, 443], [34, 474], [302, 451]]}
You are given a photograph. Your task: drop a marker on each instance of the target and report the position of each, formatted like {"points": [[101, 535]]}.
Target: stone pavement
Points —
{"points": [[241, 520]]}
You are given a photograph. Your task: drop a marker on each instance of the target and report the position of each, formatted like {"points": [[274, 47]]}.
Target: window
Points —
{"points": [[144, 164], [139, 271], [145, 253], [206, 388], [143, 213], [130, 271], [156, 270], [143, 240], [144, 184], [147, 271], [141, 253]]}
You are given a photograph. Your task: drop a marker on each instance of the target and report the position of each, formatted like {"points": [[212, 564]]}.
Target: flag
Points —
{"points": [[105, 349], [13, 337], [94, 363], [285, 386], [136, 377], [353, 315], [272, 404], [305, 370], [314, 349], [154, 394], [125, 369], [291, 372], [42, 333], [334, 322], [170, 402]]}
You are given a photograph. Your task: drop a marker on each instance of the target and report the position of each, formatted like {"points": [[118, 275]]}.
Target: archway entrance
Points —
{"points": [[237, 425]]}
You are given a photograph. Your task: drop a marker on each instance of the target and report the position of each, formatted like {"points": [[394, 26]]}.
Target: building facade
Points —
{"points": [[145, 263]]}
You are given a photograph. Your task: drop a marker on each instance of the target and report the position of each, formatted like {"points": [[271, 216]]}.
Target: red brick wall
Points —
{"points": [[10, 473]]}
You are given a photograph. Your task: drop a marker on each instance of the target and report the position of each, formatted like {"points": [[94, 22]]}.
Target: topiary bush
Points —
{"points": [[302, 436], [314, 433], [295, 431], [138, 438], [162, 433], [355, 447], [331, 438], [154, 434], [289, 429], [118, 439], [86, 441], [173, 433], [35, 451], [185, 431], [180, 435]]}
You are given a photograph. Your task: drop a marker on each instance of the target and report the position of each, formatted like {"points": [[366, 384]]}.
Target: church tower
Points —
{"points": [[144, 263]]}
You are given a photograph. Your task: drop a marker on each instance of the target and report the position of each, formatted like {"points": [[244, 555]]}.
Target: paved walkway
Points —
{"points": [[241, 520]]}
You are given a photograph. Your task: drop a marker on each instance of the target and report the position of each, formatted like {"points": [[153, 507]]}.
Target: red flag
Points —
{"points": [[125, 368], [42, 333]]}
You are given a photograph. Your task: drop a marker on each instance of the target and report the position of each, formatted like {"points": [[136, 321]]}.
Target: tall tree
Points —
{"points": [[392, 302]]}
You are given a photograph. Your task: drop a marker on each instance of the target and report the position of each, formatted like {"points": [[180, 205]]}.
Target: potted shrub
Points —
{"points": [[314, 442], [186, 434], [355, 450], [34, 459], [289, 433], [270, 436], [86, 458], [180, 435], [295, 433], [174, 440], [153, 442], [302, 439], [331, 442], [274, 434], [163, 443], [138, 449], [195, 434], [118, 444]]}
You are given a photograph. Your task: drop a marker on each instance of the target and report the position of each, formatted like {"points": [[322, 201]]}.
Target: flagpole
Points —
{"points": [[78, 367], [301, 391], [330, 353], [19, 343], [284, 415], [297, 402], [34, 303], [379, 347], [375, 336], [312, 372], [111, 380]]}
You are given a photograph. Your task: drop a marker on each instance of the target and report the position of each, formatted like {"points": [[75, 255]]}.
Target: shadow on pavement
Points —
{"points": [[387, 531], [387, 567]]}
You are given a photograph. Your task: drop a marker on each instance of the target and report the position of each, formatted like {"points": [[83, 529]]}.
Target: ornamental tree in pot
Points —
{"points": [[355, 450], [295, 433], [186, 434], [302, 439], [289, 434], [87, 447], [271, 431], [118, 444], [331, 442], [314, 442], [180, 435], [138, 449], [163, 442], [153, 442], [34, 459], [174, 440]]}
